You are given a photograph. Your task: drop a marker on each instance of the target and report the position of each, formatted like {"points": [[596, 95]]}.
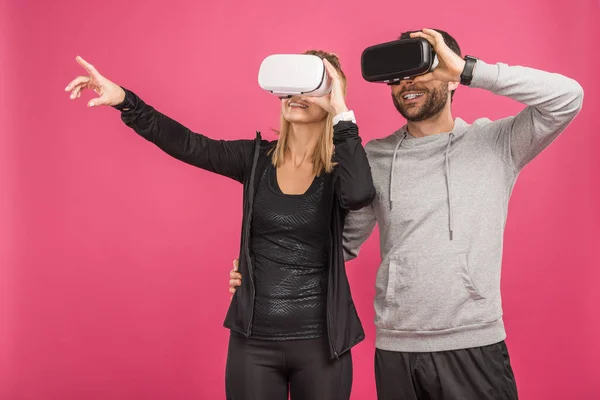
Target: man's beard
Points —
{"points": [[434, 103]]}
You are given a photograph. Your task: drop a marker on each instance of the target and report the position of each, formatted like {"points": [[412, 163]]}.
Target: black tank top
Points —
{"points": [[289, 248]]}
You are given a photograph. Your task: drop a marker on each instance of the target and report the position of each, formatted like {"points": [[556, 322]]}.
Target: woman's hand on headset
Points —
{"points": [[334, 102], [110, 94], [450, 65]]}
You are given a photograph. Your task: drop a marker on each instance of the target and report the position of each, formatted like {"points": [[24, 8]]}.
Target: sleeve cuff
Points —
{"points": [[485, 75], [129, 103], [345, 116]]}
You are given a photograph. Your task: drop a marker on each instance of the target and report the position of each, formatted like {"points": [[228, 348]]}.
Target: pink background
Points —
{"points": [[115, 257]]}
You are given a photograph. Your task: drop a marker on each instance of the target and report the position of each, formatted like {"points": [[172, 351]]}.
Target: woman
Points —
{"points": [[293, 322]]}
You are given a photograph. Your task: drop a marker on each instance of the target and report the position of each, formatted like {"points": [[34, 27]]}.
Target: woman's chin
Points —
{"points": [[297, 118]]}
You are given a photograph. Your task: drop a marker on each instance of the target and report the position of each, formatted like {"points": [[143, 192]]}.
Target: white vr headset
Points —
{"points": [[287, 75]]}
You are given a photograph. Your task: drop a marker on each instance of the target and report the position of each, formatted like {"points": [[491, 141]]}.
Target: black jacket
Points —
{"points": [[244, 161]]}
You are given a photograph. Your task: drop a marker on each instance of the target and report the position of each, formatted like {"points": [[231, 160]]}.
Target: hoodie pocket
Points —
{"points": [[399, 277], [429, 293], [466, 278]]}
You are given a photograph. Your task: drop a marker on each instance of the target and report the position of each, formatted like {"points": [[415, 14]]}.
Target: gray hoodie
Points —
{"points": [[441, 207]]}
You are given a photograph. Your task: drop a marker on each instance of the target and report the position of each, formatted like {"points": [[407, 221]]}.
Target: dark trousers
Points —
{"points": [[269, 370], [480, 373]]}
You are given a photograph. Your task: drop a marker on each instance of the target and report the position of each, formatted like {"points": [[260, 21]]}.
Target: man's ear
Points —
{"points": [[453, 86]]}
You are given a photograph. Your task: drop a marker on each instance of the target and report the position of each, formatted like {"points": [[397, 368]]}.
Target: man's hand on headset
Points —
{"points": [[235, 278]]}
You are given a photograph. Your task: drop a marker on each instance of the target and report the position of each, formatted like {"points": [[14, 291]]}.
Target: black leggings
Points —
{"points": [[264, 370]]}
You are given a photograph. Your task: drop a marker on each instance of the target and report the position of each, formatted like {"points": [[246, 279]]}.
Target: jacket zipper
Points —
{"points": [[328, 283], [248, 224]]}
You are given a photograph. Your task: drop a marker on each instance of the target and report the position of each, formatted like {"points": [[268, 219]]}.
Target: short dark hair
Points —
{"points": [[449, 40]]}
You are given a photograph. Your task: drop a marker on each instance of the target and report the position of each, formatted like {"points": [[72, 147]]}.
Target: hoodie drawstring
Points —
{"points": [[448, 179], [448, 186], [393, 168]]}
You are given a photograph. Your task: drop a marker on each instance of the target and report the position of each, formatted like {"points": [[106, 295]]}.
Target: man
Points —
{"points": [[443, 188]]}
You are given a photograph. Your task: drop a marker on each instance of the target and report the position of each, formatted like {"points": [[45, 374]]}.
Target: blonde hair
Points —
{"points": [[322, 158]]}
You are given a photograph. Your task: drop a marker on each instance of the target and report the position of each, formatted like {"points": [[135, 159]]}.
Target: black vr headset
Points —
{"points": [[393, 62]]}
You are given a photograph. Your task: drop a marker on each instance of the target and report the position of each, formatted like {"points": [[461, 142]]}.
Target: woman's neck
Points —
{"points": [[302, 142]]}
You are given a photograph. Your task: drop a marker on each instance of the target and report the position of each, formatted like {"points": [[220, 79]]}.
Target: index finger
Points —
{"points": [[429, 38], [88, 67], [434, 33]]}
